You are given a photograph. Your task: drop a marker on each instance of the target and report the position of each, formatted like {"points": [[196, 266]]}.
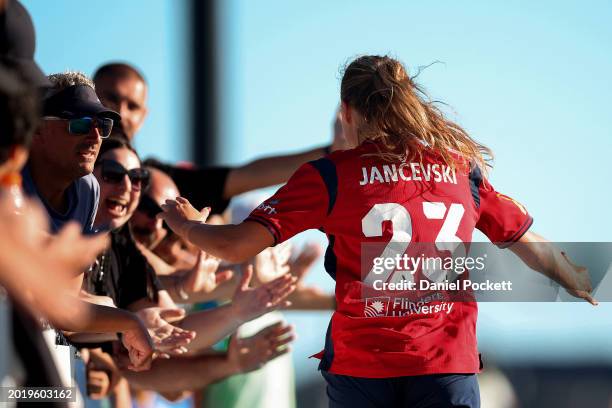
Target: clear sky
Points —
{"points": [[529, 79], [83, 34]]}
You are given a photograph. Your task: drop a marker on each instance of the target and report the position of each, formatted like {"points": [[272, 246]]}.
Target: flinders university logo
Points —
{"points": [[376, 307]]}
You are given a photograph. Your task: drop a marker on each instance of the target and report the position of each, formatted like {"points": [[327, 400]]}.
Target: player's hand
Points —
{"points": [[582, 287], [204, 276], [179, 214], [250, 303], [253, 352]]}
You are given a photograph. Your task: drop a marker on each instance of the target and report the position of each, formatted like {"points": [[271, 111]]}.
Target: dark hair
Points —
{"points": [[19, 112], [118, 69], [398, 115], [112, 143]]}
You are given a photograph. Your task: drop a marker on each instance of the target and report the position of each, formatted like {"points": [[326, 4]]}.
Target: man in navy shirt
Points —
{"points": [[64, 150]]}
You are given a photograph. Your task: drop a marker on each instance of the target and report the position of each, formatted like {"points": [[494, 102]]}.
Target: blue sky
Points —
{"points": [[529, 79]]}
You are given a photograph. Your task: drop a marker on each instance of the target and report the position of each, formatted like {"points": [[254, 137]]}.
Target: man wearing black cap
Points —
{"points": [[64, 150]]}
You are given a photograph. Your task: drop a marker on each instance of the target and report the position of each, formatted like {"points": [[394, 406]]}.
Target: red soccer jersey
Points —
{"points": [[356, 200]]}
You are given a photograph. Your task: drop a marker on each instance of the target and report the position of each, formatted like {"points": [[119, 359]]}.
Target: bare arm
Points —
{"points": [[267, 171], [232, 243], [541, 255], [182, 373], [243, 355], [105, 319], [247, 304], [311, 298]]}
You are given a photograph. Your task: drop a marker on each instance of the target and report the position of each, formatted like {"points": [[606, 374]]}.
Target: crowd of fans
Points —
{"points": [[96, 291]]}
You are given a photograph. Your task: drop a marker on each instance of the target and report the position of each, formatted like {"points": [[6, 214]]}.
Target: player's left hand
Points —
{"points": [[179, 214], [582, 288]]}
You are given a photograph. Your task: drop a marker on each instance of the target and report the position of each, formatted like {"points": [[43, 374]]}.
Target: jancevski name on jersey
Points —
{"points": [[356, 198], [392, 173]]}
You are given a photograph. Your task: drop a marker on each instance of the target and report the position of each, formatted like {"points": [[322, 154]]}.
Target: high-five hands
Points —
{"points": [[180, 216]]}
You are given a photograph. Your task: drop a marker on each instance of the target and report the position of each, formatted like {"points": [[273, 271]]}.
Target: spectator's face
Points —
{"points": [[147, 229], [177, 252], [69, 156], [126, 95], [118, 199]]}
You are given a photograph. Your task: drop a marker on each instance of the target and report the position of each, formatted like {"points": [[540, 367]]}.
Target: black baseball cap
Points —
{"points": [[18, 42], [77, 101]]}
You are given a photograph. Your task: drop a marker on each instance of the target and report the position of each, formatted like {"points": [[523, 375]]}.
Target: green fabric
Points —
{"points": [[243, 391]]}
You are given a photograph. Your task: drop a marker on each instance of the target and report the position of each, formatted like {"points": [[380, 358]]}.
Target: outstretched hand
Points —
{"points": [[166, 337], [272, 262], [582, 288], [204, 276], [179, 214], [253, 352], [304, 261], [250, 303]]}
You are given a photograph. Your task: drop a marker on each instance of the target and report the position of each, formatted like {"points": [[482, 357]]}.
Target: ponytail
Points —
{"points": [[399, 116]]}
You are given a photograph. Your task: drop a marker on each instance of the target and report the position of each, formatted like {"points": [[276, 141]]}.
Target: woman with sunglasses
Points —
{"points": [[410, 176]]}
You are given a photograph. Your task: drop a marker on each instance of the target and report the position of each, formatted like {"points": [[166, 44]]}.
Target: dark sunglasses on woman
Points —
{"points": [[82, 126], [114, 172]]}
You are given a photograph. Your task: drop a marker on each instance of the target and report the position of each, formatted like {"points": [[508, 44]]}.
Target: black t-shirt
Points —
{"points": [[122, 272], [202, 186]]}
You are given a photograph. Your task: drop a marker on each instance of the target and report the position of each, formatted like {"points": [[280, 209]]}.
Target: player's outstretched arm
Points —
{"points": [[541, 255], [233, 243]]}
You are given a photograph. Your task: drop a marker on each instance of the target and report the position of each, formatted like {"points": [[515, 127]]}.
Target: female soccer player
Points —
{"points": [[411, 176]]}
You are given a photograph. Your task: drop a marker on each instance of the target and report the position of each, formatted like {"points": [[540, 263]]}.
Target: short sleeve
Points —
{"points": [[501, 218], [299, 205]]}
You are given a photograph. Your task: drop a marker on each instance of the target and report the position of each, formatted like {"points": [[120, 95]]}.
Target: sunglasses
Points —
{"points": [[82, 126], [113, 172], [150, 208]]}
